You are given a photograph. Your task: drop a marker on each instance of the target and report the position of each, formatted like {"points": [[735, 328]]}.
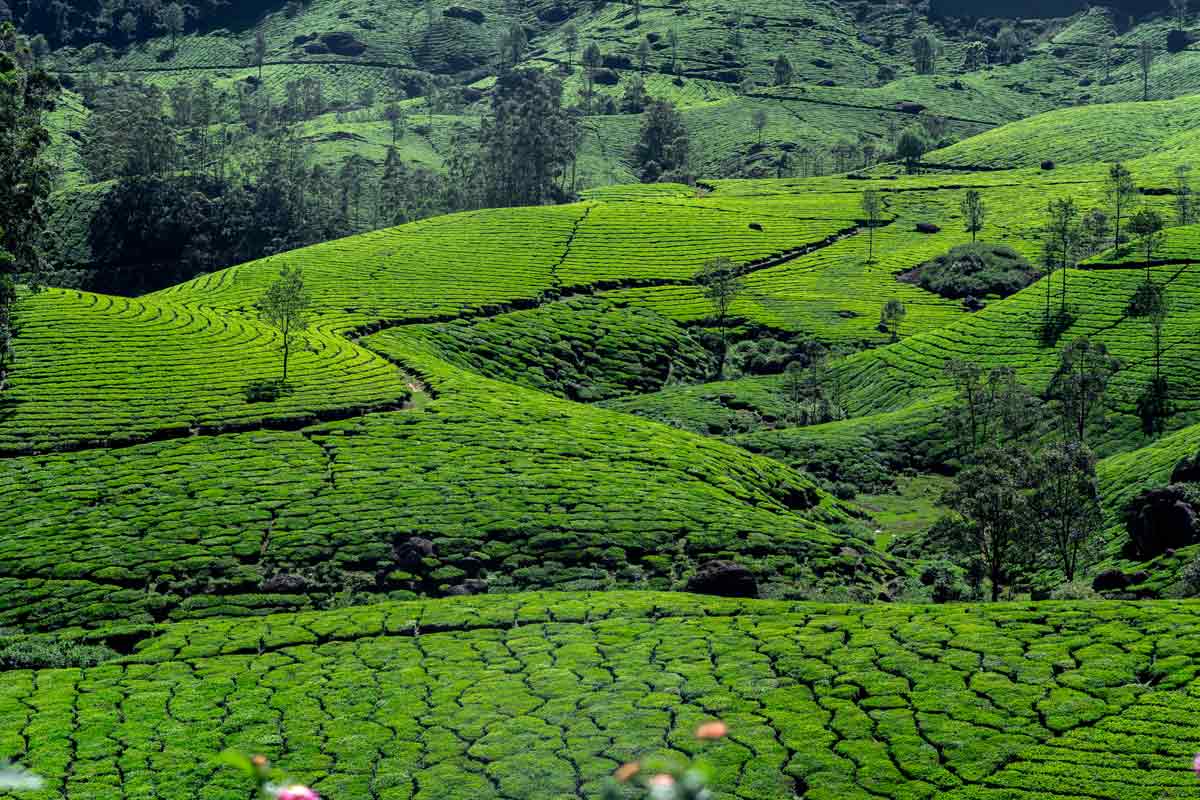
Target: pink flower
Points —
{"points": [[297, 792], [1196, 765], [661, 780], [712, 730]]}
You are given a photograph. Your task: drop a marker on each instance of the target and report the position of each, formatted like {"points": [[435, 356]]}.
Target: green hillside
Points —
{"points": [[549, 484], [542, 696]]}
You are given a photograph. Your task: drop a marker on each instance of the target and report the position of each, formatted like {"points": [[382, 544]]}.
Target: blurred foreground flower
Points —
{"points": [[15, 778], [669, 777], [268, 781], [1196, 765]]}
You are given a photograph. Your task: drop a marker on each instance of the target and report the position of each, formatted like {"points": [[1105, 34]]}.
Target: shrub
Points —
{"points": [[266, 391], [975, 270], [1075, 590], [1048, 165], [53, 654]]}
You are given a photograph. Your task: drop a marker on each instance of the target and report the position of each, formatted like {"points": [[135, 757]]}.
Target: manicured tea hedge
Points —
{"points": [[506, 484], [543, 695], [582, 348], [93, 370]]}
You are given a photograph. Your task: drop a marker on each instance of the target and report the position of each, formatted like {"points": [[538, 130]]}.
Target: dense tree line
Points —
{"points": [[26, 95], [113, 22], [201, 179]]}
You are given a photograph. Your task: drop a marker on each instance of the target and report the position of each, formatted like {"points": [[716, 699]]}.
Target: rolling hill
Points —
{"points": [[456, 559]]}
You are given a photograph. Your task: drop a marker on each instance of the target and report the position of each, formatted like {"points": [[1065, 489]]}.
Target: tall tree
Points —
{"points": [[1062, 230], [783, 70], [1180, 9], [892, 315], [570, 36], [527, 140], [663, 147], [992, 410], [514, 43], [592, 59], [26, 96], [1066, 503], [992, 498], [1145, 58], [976, 56], [1121, 191], [925, 51], [973, 212], [1185, 210], [395, 116], [721, 283], [911, 147], [644, 50], [872, 207], [1080, 384], [173, 19], [673, 40], [1148, 225], [760, 120], [260, 50], [1008, 45], [285, 306]]}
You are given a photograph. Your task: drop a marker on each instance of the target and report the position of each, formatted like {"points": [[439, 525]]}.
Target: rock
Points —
{"points": [[606, 77], [1178, 40], [927, 227], [411, 553], [1159, 520], [343, 43], [468, 587], [1110, 580], [723, 579], [1187, 470], [468, 14]]}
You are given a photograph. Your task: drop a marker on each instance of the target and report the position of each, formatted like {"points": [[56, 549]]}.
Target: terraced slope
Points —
{"points": [[540, 696], [489, 262], [1158, 132], [581, 348], [489, 483], [93, 370]]}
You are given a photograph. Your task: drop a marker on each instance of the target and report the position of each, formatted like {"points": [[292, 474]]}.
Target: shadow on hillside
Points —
{"points": [[8, 407]]}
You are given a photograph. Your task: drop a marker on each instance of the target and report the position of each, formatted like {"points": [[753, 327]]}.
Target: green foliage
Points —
{"points": [[285, 306], [546, 695], [976, 270], [50, 653]]}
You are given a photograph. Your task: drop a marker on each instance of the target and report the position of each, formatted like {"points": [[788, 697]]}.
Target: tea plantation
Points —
{"points": [[534, 501], [543, 695]]}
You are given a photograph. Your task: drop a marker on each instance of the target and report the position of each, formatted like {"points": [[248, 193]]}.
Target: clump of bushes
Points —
{"points": [[52, 654], [266, 391], [975, 270]]}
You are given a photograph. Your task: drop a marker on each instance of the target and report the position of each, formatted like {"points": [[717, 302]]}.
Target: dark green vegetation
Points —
{"points": [[227, 134], [977, 271], [900, 316], [542, 696]]}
